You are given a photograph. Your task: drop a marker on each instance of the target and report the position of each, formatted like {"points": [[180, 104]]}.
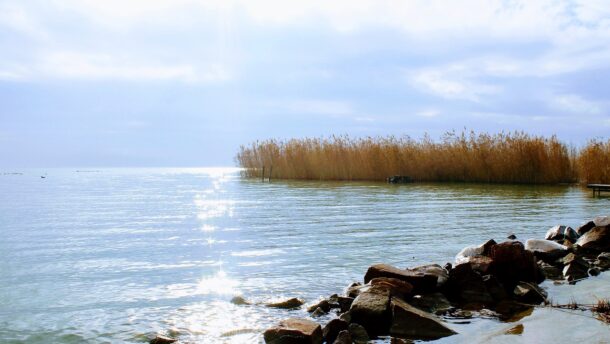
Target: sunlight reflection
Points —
{"points": [[218, 284]]}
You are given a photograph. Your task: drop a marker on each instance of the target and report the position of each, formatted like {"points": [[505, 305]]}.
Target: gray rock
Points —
{"points": [[601, 221], [371, 309], [344, 337], [603, 261], [546, 250], [239, 300], [560, 233], [410, 322], [435, 270], [594, 271], [294, 330], [432, 303], [597, 239], [318, 313], [550, 271], [358, 333]]}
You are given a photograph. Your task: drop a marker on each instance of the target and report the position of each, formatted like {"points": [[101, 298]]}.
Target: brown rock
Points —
{"points": [[432, 303], [435, 270], [585, 228], [294, 331], [597, 239], [159, 339], [467, 286], [529, 293], [512, 264], [410, 322], [344, 303], [480, 264], [322, 304], [395, 286], [287, 304], [358, 333], [421, 282], [333, 328], [560, 233], [371, 309], [344, 337]]}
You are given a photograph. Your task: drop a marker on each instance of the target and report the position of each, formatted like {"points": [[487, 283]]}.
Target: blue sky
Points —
{"points": [[185, 83]]}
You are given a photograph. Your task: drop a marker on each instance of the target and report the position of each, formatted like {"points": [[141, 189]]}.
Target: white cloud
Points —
{"points": [[314, 106], [452, 82], [576, 104], [429, 113]]}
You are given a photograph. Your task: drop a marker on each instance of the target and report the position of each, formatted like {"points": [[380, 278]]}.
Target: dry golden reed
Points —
{"points": [[514, 157], [594, 162]]}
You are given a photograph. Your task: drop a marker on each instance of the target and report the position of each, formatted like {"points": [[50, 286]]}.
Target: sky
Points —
{"points": [[185, 83]]}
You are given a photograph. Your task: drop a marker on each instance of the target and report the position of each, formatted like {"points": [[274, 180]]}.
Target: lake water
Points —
{"points": [[116, 255]]}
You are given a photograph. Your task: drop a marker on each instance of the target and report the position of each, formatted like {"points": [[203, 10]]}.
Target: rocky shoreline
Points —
{"points": [[498, 279]]}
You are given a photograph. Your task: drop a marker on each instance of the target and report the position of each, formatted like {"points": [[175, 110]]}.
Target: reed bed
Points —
{"points": [[594, 162], [514, 157]]}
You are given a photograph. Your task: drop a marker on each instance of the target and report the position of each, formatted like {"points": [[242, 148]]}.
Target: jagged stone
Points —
{"points": [[560, 233], [435, 270], [358, 333], [466, 286], [512, 263], [287, 304], [294, 331], [322, 304], [529, 293], [410, 322], [421, 282], [432, 303], [395, 286], [371, 309], [332, 329], [585, 228], [597, 239], [344, 337]]}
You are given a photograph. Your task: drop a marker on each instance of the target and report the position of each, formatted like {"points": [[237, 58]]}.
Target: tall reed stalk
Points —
{"points": [[514, 157], [594, 162]]}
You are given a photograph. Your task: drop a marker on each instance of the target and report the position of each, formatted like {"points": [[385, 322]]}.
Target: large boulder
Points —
{"points": [[585, 228], [432, 303], [421, 282], [561, 233], [333, 328], [466, 286], [597, 239], [410, 322], [358, 333], [546, 250], [395, 286], [575, 267], [294, 331], [601, 221], [435, 270], [474, 251], [371, 309], [344, 337], [512, 263]]}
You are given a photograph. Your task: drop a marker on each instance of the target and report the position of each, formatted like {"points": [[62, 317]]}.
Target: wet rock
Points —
{"points": [[550, 271], [473, 251], [287, 304], [529, 293], [294, 330], [479, 264], [597, 239], [594, 271], [512, 263], [332, 329], [494, 288], [518, 329], [410, 322], [394, 340], [601, 221], [344, 337], [354, 289], [603, 261], [371, 309], [511, 237], [324, 305], [575, 270], [448, 267], [395, 286], [421, 282], [546, 250], [159, 339], [560, 233], [432, 303], [344, 303], [346, 316], [358, 333], [239, 300], [585, 228], [435, 270], [466, 286], [510, 311], [318, 313]]}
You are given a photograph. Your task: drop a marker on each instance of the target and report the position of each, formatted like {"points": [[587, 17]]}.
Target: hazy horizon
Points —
{"points": [[184, 83]]}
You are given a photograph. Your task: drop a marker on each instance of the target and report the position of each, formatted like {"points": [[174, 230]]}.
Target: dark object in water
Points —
{"points": [[42, 177], [399, 180]]}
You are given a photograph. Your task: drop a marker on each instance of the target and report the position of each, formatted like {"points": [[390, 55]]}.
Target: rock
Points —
{"points": [[603, 261], [585, 228], [466, 286], [323, 304], [575, 270], [395, 286], [394, 340], [410, 322], [159, 339], [432, 303], [529, 293], [559, 233], [346, 316], [287, 304], [448, 267], [594, 271], [343, 337], [510, 311], [239, 300], [597, 239], [332, 329], [473, 251], [371, 309], [344, 303], [512, 264], [358, 333], [494, 288], [421, 282], [511, 237], [354, 289], [601, 221], [517, 329], [435, 270], [550, 271], [318, 313], [479, 264], [546, 250], [294, 330]]}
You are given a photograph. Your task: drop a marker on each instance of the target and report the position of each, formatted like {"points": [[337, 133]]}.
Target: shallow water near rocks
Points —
{"points": [[117, 255]]}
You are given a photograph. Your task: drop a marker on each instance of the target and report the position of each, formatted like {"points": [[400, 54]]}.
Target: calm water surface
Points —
{"points": [[117, 255]]}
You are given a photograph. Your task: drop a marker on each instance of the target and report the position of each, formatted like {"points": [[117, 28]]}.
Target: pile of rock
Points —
{"points": [[500, 277]]}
